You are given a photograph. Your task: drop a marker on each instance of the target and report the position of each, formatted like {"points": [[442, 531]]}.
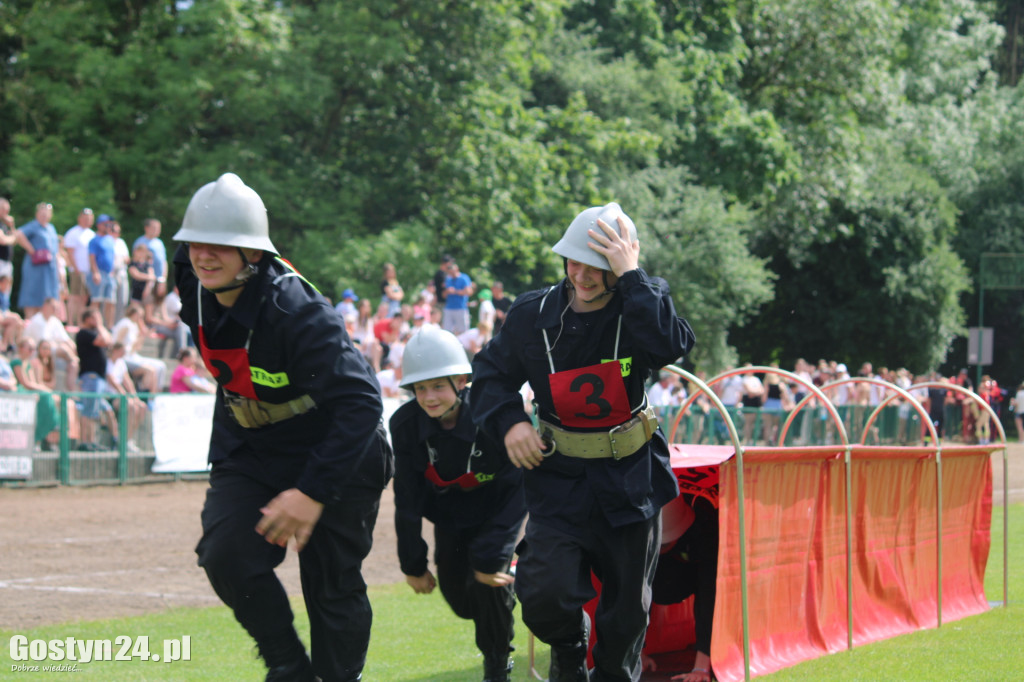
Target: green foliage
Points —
{"points": [[693, 238], [884, 288]]}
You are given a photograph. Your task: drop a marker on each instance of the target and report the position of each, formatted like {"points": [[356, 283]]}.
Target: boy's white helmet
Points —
{"points": [[433, 353]]}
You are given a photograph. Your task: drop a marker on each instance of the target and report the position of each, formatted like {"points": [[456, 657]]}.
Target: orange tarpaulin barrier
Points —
{"points": [[796, 535]]}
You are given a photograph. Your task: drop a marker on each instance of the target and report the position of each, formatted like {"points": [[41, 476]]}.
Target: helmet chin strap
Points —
{"points": [[455, 405], [604, 279], [243, 276]]}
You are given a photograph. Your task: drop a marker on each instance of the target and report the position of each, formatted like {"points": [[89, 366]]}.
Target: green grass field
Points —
{"points": [[416, 638]]}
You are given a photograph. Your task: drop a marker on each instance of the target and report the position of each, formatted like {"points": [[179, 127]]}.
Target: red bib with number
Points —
{"points": [[230, 367], [590, 396]]}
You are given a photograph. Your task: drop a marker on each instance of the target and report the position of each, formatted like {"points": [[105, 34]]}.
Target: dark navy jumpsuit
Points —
{"points": [[586, 514], [279, 341], [473, 495]]}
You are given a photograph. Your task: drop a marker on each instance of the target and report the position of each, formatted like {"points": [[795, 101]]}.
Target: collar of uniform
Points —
{"points": [[550, 315]]}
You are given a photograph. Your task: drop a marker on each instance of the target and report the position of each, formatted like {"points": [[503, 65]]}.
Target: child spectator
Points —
{"points": [[27, 374], [185, 378], [119, 380], [142, 276]]}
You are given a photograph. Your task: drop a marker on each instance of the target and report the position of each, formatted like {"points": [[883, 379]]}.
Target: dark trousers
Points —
{"points": [[490, 608], [553, 583], [240, 565]]}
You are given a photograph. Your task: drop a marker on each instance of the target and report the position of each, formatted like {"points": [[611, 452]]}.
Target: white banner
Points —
{"points": [[17, 434], [182, 424]]}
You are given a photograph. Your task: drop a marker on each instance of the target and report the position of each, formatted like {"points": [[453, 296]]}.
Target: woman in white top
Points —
{"points": [[131, 332], [120, 381]]}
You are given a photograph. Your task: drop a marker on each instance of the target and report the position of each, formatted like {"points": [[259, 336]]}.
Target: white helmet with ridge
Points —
{"points": [[573, 244], [228, 213], [433, 353]]}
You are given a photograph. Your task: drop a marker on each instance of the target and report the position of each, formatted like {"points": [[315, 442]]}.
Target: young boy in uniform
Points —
{"points": [[460, 479]]}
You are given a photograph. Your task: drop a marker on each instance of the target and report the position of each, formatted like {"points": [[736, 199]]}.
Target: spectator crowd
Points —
{"points": [[88, 305], [450, 301], [761, 400]]}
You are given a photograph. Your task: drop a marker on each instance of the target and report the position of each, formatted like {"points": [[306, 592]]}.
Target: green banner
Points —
{"points": [[1002, 271]]}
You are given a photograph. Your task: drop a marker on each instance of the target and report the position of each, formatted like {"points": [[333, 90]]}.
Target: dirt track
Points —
{"points": [[71, 554]]}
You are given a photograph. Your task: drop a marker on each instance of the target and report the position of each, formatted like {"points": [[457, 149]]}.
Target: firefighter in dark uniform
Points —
{"points": [[598, 465], [460, 479], [688, 565], [298, 451]]}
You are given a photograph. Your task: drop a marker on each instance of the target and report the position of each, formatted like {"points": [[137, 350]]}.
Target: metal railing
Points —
{"points": [[122, 457]]}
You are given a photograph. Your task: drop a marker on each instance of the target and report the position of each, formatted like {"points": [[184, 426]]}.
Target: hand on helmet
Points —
{"points": [[622, 254]]}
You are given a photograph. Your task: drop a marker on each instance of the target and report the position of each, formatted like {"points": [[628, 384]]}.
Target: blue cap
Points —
{"points": [[104, 218], [348, 293]]}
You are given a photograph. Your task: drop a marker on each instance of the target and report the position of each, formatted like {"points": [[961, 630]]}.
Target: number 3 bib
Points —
{"points": [[590, 396], [593, 396]]}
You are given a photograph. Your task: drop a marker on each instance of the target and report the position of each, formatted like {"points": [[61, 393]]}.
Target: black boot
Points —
{"points": [[569, 662], [498, 668], [286, 658]]}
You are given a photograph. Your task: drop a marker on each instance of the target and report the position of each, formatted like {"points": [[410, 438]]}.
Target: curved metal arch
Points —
{"points": [[814, 391], [903, 393], [970, 394], [1006, 486], [741, 512]]}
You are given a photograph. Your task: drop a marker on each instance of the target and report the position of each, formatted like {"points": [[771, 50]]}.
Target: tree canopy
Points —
{"points": [[813, 178]]}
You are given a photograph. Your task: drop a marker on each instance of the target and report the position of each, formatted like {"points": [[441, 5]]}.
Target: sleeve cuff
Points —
{"points": [[506, 420]]}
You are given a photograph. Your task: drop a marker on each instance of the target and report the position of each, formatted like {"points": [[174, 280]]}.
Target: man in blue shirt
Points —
{"points": [[458, 287], [101, 265]]}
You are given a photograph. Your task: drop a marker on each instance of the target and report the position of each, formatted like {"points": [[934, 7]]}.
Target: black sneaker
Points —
{"points": [[300, 670]]}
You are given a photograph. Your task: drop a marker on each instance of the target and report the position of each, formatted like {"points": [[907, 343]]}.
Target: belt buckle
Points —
{"points": [[611, 439], [548, 437]]}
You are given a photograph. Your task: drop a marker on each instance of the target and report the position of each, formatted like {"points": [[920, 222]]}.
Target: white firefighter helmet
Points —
{"points": [[573, 244], [229, 213], [433, 353]]}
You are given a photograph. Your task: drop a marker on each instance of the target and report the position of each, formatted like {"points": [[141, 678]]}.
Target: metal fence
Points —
{"points": [[123, 455], [894, 425]]}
